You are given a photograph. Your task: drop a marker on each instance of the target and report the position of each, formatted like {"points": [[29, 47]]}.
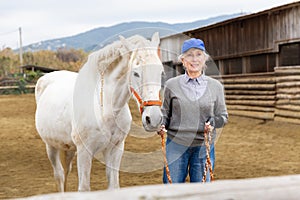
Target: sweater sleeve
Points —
{"points": [[221, 115], [166, 107]]}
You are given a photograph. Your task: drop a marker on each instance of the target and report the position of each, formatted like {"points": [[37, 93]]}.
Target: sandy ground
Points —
{"points": [[246, 148]]}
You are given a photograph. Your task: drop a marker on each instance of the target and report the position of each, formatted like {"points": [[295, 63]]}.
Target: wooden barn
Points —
{"points": [[257, 57]]}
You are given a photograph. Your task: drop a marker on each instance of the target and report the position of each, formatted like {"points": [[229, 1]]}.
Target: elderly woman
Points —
{"points": [[190, 100]]}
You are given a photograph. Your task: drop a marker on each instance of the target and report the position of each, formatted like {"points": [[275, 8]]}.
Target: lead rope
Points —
{"points": [[208, 165], [163, 147]]}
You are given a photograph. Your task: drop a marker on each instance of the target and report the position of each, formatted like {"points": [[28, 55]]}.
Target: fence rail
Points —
{"points": [[265, 188], [13, 89], [16, 87]]}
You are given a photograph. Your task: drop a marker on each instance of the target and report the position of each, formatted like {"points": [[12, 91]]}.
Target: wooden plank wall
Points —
{"points": [[287, 94], [267, 96], [250, 95]]}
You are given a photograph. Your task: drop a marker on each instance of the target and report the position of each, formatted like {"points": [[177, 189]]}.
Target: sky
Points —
{"points": [[42, 20]]}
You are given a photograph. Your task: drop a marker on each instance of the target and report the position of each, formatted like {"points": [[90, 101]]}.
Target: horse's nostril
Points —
{"points": [[148, 120]]}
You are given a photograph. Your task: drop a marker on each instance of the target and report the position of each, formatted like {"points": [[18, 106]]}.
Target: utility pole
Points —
{"points": [[21, 49]]}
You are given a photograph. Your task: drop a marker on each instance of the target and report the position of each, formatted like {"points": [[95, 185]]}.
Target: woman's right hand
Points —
{"points": [[162, 130]]}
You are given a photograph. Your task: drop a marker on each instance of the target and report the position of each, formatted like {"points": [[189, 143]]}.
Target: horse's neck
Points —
{"points": [[105, 83], [114, 82]]}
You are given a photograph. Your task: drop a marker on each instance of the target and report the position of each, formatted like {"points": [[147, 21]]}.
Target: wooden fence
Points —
{"points": [[269, 96], [15, 86], [264, 188], [13, 89]]}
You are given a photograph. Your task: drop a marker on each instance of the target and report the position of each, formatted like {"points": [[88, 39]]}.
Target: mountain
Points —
{"points": [[99, 37]]}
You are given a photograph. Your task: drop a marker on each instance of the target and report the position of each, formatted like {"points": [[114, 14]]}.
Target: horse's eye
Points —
{"points": [[136, 74]]}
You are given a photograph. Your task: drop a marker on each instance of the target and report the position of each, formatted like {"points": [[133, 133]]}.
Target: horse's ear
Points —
{"points": [[155, 39], [127, 45]]}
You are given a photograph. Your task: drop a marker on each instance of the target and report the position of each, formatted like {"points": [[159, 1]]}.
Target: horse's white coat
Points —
{"points": [[88, 112]]}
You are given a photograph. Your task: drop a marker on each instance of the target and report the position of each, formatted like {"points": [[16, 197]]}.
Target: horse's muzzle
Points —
{"points": [[151, 118]]}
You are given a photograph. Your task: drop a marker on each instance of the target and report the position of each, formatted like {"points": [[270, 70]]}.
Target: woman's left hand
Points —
{"points": [[162, 130]]}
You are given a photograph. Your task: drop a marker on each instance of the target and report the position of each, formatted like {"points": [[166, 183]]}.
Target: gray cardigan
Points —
{"points": [[185, 119]]}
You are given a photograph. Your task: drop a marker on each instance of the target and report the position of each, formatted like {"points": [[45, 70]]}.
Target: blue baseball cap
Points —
{"points": [[192, 43]]}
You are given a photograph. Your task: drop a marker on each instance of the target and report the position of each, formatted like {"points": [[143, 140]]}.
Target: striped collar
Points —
{"points": [[199, 79]]}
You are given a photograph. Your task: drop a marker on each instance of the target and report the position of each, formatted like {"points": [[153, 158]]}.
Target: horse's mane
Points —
{"points": [[111, 53]]}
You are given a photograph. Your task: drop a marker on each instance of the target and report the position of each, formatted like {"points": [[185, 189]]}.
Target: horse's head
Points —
{"points": [[145, 79]]}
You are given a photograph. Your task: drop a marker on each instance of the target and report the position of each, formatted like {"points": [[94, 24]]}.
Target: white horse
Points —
{"points": [[88, 112]]}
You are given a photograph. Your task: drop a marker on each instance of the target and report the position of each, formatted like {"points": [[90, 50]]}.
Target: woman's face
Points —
{"points": [[193, 60]]}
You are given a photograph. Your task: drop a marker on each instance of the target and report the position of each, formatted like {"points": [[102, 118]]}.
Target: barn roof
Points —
{"points": [[248, 16]]}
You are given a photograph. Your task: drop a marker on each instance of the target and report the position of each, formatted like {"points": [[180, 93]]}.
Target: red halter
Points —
{"points": [[144, 103]]}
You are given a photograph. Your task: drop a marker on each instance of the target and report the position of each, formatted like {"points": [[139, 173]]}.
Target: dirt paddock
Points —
{"points": [[246, 148]]}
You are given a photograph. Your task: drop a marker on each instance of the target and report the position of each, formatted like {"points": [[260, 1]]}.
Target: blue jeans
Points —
{"points": [[184, 160]]}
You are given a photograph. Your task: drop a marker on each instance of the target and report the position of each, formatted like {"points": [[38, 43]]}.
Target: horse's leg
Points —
{"points": [[53, 155], [69, 155], [113, 156], [84, 165]]}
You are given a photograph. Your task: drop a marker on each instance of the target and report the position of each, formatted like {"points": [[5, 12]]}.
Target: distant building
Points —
{"points": [[252, 43]]}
